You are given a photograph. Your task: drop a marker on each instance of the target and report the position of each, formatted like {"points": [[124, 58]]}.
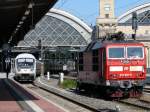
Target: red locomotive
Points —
{"points": [[118, 69]]}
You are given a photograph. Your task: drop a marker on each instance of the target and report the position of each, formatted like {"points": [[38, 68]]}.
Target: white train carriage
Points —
{"points": [[25, 67]]}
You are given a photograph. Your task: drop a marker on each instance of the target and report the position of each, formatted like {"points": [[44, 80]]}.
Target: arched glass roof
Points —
{"points": [[143, 19], [53, 31], [143, 14]]}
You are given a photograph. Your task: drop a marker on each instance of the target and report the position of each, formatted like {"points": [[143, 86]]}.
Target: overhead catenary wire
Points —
{"points": [[87, 18], [128, 6], [62, 3]]}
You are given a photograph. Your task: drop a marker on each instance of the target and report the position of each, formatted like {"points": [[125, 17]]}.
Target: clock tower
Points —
{"points": [[106, 21]]}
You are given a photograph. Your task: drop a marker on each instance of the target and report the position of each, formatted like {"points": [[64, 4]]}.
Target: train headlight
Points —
{"points": [[137, 68], [107, 82], [116, 68]]}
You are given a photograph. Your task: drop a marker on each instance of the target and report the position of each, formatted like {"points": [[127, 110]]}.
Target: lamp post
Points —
{"points": [[6, 58], [41, 56]]}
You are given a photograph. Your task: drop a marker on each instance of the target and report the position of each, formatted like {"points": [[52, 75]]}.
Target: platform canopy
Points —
{"points": [[17, 17]]}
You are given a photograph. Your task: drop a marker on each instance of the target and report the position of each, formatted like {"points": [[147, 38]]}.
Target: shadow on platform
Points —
{"points": [[9, 94]]}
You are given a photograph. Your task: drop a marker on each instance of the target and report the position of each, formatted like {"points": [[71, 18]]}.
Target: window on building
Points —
{"points": [[107, 7], [146, 32], [106, 15]]}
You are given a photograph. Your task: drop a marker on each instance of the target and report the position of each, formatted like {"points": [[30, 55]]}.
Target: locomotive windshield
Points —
{"points": [[135, 52], [116, 53], [129, 52], [25, 63]]}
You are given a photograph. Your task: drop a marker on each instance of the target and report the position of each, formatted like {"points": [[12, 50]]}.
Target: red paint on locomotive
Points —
{"points": [[118, 67]]}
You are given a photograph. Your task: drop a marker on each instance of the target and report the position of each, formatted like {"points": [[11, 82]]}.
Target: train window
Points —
{"points": [[21, 60], [80, 61], [135, 52], [25, 63], [80, 67], [95, 60], [116, 53], [95, 67], [53, 56], [95, 52], [80, 55], [29, 60], [103, 62]]}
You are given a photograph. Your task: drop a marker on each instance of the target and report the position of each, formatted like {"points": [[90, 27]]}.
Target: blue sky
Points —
{"points": [[87, 10]]}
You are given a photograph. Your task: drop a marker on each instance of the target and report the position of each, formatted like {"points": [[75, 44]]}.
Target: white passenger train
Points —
{"points": [[25, 67]]}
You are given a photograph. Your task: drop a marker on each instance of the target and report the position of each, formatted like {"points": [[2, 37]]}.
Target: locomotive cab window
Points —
{"points": [[135, 52], [115, 52], [25, 63]]}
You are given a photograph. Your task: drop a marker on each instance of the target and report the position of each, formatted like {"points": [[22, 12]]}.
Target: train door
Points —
{"points": [[148, 62], [102, 64]]}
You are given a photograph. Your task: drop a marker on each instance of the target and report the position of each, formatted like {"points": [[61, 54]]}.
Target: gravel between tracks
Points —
{"points": [[96, 103]]}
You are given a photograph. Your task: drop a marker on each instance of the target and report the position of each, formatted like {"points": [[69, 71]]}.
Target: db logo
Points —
{"points": [[126, 68]]}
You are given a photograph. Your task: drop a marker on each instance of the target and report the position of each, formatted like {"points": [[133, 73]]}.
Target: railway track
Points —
{"points": [[137, 103], [77, 100], [94, 104], [143, 102], [147, 89], [89, 107], [91, 104], [140, 103]]}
